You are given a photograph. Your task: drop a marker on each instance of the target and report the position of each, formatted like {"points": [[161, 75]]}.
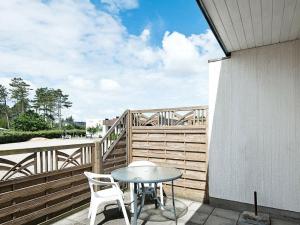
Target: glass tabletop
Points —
{"points": [[146, 174]]}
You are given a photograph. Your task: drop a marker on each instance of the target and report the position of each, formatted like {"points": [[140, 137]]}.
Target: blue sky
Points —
{"points": [[109, 55], [182, 16]]}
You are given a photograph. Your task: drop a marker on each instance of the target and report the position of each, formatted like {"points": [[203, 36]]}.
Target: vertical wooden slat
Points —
{"points": [[89, 154], [41, 162], [35, 167], [56, 159], [46, 161], [51, 160], [84, 155], [194, 117], [159, 119], [14, 201], [81, 156]]}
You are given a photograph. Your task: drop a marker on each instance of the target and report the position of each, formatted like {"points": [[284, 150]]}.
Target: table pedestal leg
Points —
{"points": [[155, 193], [135, 203], [173, 200], [143, 200]]}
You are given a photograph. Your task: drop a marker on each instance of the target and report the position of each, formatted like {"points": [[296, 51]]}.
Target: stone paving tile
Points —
{"points": [[189, 214], [216, 220], [107, 214], [79, 215], [187, 202], [228, 214], [195, 206], [201, 214], [204, 208], [283, 222], [198, 219], [67, 222], [197, 214]]}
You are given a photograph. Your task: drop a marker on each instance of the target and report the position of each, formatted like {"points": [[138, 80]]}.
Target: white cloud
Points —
{"points": [[117, 5], [109, 85], [90, 55]]}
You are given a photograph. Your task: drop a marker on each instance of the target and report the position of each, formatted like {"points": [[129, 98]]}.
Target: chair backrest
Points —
{"points": [[142, 163], [90, 176]]}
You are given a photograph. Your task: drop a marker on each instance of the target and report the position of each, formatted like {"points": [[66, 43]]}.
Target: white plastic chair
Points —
{"points": [[159, 185], [105, 195]]}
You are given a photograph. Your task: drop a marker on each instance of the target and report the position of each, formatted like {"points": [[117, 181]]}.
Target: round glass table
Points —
{"points": [[139, 175]]}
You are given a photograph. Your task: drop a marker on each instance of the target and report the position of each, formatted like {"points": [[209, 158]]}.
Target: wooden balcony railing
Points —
{"points": [[43, 180], [170, 116]]}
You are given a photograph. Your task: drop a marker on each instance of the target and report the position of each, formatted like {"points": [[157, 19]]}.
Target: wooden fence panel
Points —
{"points": [[37, 198], [183, 147], [42, 180]]}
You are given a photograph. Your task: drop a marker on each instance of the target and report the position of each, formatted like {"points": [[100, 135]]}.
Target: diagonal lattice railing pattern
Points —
{"points": [[16, 163], [183, 116]]}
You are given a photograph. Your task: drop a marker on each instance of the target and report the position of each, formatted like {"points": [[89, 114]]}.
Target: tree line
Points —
{"points": [[45, 108]]}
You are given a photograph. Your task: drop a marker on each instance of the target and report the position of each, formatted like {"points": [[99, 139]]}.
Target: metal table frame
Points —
{"points": [[136, 182], [137, 211]]}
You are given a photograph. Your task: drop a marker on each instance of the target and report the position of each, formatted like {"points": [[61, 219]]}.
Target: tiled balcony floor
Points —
{"points": [[196, 214]]}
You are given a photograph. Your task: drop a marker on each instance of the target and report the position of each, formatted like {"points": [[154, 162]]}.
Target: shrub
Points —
{"points": [[94, 130], [30, 121], [3, 123], [19, 136]]}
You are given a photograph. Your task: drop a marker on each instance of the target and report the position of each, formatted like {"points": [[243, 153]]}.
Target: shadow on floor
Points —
{"points": [[111, 215]]}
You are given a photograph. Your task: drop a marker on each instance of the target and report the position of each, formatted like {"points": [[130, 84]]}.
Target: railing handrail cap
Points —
{"points": [[28, 146]]}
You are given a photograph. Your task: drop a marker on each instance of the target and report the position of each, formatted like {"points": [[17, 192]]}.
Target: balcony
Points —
{"points": [[43, 181]]}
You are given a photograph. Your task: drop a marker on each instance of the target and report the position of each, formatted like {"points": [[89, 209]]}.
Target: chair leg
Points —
{"points": [[131, 198], [93, 215], [161, 196], [119, 205], [124, 211], [90, 209], [89, 215]]}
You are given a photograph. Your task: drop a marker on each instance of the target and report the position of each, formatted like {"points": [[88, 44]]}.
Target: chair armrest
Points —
{"points": [[107, 176], [95, 175], [102, 183]]}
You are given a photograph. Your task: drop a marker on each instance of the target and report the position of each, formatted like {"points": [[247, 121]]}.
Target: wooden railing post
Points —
{"points": [[97, 158], [128, 135]]}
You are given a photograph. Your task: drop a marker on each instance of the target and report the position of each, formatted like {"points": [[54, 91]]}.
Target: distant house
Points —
{"points": [[103, 125], [80, 123]]}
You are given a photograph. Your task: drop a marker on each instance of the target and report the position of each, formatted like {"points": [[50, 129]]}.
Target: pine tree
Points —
{"points": [[62, 101], [20, 92], [3, 103]]}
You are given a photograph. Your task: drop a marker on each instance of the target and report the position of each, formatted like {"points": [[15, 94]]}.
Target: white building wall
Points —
{"points": [[254, 142]]}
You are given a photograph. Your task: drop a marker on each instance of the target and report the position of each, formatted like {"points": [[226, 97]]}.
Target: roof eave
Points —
{"points": [[213, 28]]}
